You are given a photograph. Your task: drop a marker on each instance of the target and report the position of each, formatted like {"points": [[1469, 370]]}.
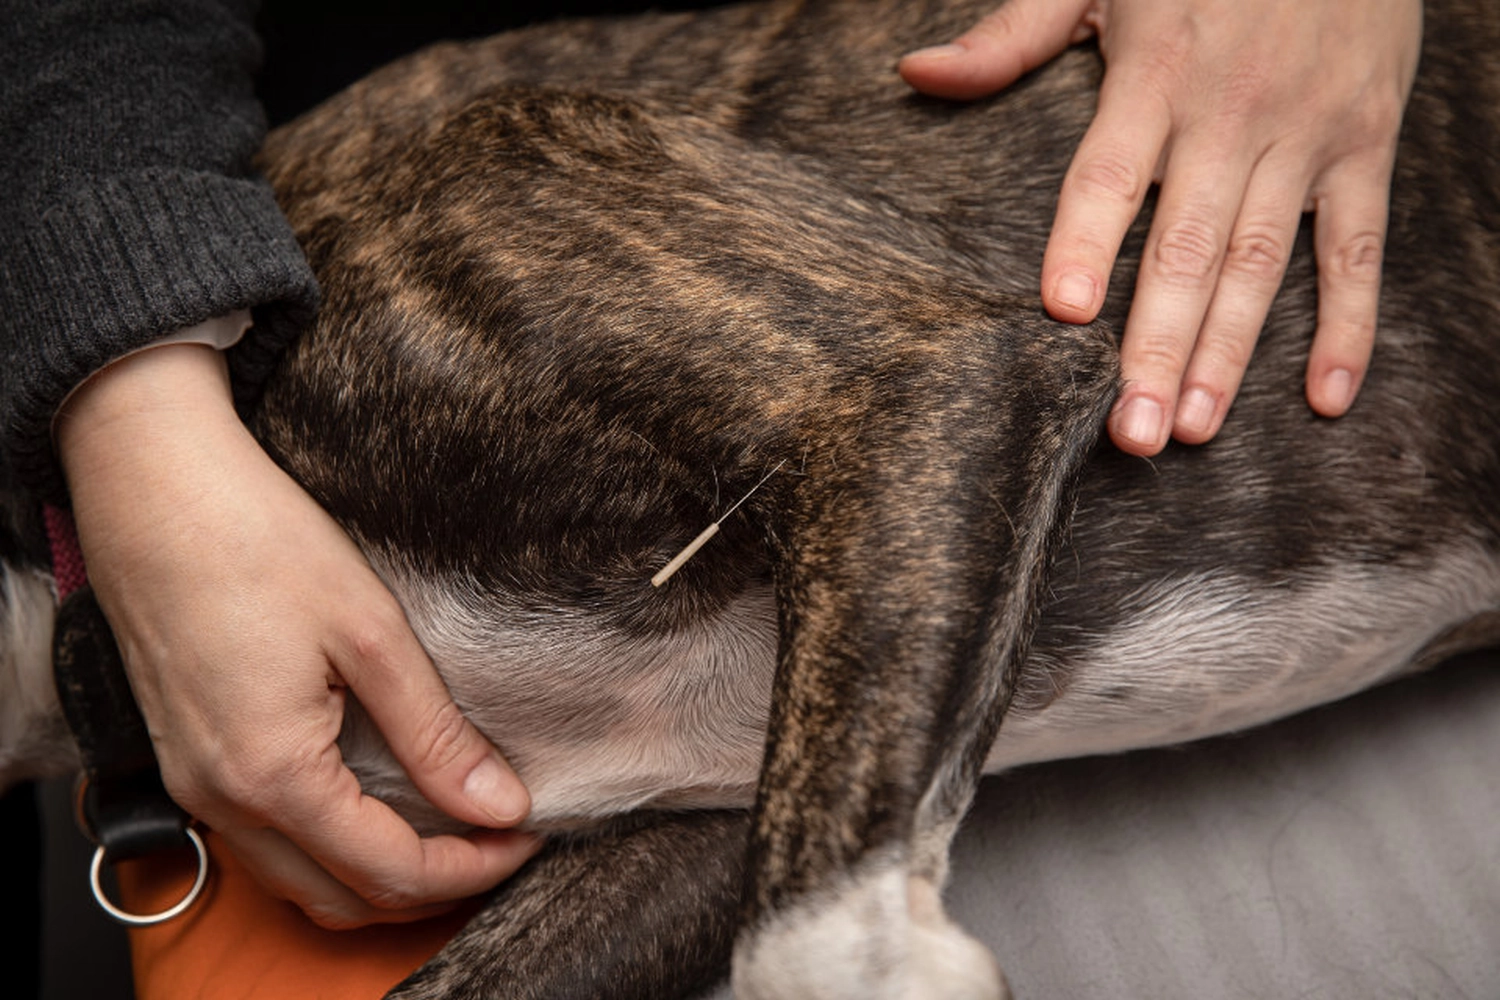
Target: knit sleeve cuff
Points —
{"points": [[113, 267]]}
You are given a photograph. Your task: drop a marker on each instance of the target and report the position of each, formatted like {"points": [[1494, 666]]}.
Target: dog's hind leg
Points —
{"points": [[642, 911], [908, 584]]}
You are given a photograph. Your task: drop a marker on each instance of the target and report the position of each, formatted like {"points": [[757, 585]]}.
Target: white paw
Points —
{"points": [[879, 936], [947, 962]]}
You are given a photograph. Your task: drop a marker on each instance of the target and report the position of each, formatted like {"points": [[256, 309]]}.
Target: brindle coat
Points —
{"points": [[586, 284]]}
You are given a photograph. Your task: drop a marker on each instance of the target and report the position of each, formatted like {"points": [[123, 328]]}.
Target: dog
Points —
{"points": [[586, 285]]}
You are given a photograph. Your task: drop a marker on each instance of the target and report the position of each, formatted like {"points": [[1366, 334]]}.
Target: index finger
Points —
{"points": [[1101, 195]]}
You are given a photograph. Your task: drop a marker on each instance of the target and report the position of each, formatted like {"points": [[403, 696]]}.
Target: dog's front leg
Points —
{"points": [[877, 709], [643, 911], [907, 583]]}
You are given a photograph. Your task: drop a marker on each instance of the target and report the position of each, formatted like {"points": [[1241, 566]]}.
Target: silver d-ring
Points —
{"points": [[146, 920]]}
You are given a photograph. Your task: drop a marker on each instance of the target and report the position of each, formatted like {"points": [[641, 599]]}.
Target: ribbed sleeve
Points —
{"points": [[129, 205]]}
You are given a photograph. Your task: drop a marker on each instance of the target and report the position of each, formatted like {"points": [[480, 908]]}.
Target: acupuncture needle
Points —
{"points": [[665, 573]]}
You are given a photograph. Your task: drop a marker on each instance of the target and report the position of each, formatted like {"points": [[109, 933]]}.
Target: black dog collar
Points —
{"points": [[123, 807]]}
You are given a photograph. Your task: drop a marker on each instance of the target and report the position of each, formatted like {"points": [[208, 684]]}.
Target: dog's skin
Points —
{"points": [[586, 284]]}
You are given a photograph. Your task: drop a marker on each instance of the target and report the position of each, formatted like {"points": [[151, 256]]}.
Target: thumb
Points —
{"points": [[1002, 47], [451, 761]]}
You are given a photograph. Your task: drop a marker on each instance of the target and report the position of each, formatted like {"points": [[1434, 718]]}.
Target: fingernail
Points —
{"points": [[938, 52], [1075, 290], [1338, 389], [1195, 413], [1140, 420], [492, 787]]}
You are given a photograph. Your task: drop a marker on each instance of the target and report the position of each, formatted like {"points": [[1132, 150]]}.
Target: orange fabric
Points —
{"points": [[239, 943]]}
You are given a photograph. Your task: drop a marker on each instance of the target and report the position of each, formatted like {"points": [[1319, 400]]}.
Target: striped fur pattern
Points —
{"points": [[587, 283]]}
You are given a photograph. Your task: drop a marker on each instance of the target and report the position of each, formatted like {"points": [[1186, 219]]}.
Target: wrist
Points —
{"points": [[136, 409], [145, 387]]}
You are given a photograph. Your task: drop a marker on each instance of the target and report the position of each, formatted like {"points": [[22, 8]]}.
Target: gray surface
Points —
{"points": [[1350, 852]]}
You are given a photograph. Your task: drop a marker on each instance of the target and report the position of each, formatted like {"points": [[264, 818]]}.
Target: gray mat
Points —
{"points": [[1349, 852]]}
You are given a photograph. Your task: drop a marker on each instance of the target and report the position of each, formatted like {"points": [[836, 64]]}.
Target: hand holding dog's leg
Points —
{"points": [[243, 613], [1247, 114]]}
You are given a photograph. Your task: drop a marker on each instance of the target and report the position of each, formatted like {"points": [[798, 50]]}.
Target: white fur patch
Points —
{"points": [[34, 741], [880, 934], [596, 722], [1209, 655]]}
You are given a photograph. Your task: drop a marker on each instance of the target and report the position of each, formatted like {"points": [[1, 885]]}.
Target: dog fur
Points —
{"points": [[588, 283]]}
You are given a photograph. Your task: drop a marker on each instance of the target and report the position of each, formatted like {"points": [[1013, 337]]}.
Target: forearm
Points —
{"points": [[132, 207]]}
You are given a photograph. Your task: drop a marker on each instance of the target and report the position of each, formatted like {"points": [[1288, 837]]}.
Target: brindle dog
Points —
{"points": [[587, 284]]}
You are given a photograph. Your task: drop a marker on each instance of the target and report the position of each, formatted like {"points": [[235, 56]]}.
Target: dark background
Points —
{"points": [[315, 49]]}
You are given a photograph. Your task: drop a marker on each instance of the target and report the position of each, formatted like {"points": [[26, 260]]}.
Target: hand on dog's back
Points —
{"points": [[1247, 114], [243, 613]]}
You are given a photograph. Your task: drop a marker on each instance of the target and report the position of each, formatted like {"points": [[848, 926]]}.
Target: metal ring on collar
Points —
{"points": [[147, 920]]}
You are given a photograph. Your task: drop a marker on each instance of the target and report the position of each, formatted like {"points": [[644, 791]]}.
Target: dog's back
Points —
{"points": [[586, 285]]}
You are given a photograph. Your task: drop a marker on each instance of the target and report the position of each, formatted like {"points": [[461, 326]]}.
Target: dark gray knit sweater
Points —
{"points": [[128, 206]]}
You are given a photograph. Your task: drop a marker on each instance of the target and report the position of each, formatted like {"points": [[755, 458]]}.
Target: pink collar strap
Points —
{"points": [[67, 557]]}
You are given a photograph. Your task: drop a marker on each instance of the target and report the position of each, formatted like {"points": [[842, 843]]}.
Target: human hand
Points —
{"points": [[243, 613], [1247, 113]]}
